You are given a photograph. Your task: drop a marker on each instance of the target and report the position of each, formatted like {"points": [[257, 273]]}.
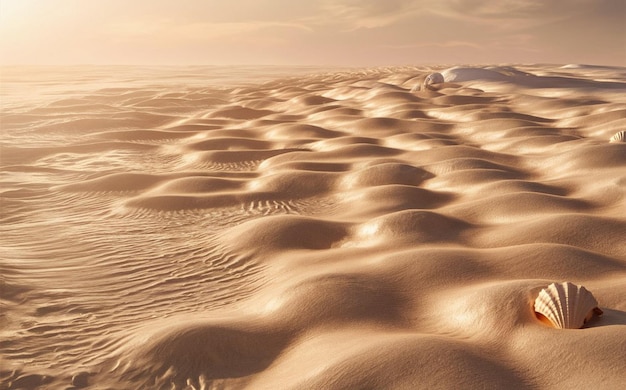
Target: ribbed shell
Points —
{"points": [[620, 136], [566, 305]]}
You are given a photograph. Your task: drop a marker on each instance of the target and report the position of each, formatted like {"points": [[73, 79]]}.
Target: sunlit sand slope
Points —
{"points": [[273, 228]]}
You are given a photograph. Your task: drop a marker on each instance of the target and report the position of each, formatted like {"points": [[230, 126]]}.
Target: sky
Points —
{"points": [[312, 32]]}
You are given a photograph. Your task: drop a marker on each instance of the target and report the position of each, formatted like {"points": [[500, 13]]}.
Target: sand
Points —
{"points": [[301, 228]]}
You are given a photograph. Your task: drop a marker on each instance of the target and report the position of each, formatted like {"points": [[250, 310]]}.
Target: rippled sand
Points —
{"points": [[272, 228]]}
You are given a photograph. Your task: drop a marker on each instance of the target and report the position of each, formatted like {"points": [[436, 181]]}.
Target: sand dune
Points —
{"points": [[300, 228]]}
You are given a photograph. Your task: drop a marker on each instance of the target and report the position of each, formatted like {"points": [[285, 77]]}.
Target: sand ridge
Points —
{"points": [[320, 229]]}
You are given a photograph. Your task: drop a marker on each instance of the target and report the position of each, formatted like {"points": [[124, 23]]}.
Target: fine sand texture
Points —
{"points": [[301, 228]]}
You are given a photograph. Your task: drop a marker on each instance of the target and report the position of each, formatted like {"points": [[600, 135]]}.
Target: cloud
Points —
{"points": [[504, 15], [489, 9], [357, 14], [358, 32], [174, 31], [430, 45]]}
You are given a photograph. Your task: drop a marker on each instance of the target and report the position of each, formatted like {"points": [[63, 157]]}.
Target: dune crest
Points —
{"points": [[301, 228]]}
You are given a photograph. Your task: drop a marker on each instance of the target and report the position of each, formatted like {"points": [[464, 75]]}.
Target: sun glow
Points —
{"points": [[15, 13]]}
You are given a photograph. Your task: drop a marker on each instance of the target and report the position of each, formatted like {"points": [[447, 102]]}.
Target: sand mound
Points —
{"points": [[319, 230]]}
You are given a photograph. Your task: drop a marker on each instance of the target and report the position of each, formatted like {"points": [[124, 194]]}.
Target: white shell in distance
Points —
{"points": [[566, 305], [433, 78], [428, 82]]}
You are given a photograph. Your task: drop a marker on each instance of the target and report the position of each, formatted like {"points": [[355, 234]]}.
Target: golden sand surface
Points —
{"points": [[303, 228]]}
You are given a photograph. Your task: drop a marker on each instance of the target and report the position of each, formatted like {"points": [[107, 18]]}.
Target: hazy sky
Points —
{"points": [[315, 32]]}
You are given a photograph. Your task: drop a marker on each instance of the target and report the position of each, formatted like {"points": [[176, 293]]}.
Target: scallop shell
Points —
{"points": [[566, 305], [620, 136]]}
